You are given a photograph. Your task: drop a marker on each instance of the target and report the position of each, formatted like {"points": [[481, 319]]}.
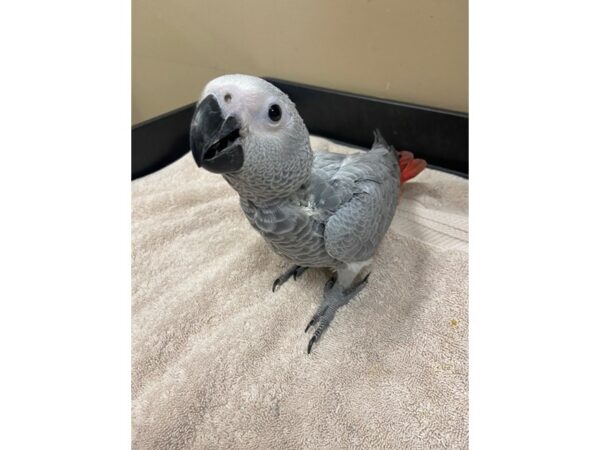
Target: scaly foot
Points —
{"points": [[333, 297], [294, 271]]}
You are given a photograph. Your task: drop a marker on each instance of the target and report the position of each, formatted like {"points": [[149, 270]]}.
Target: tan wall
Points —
{"points": [[409, 50]]}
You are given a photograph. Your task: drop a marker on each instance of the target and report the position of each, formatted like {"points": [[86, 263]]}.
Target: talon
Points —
{"points": [[366, 278], [276, 284], [329, 283], [310, 343], [298, 271], [310, 324]]}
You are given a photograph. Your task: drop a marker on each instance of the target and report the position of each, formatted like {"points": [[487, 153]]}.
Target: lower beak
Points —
{"points": [[214, 140]]}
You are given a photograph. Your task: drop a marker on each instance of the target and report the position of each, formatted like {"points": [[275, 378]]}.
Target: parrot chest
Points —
{"points": [[294, 228]]}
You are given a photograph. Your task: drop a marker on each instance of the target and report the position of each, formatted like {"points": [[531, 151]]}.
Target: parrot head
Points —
{"points": [[249, 131]]}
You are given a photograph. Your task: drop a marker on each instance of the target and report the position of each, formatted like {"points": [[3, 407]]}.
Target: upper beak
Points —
{"points": [[214, 140]]}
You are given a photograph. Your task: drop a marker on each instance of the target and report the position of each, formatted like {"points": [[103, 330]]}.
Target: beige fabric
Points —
{"points": [[219, 361]]}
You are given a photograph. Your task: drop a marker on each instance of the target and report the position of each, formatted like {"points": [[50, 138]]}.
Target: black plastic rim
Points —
{"points": [[441, 137]]}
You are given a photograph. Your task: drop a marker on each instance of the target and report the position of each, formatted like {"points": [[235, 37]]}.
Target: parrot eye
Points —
{"points": [[275, 113]]}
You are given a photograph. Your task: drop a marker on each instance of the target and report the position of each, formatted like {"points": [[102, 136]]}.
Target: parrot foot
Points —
{"points": [[295, 271], [334, 297]]}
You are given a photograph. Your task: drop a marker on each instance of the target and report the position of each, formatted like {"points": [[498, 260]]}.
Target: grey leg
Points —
{"points": [[334, 296], [294, 271]]}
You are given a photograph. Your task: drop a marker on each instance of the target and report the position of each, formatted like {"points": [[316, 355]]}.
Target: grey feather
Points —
{"points": [[318, 210], [339, 216], [355, 230]]}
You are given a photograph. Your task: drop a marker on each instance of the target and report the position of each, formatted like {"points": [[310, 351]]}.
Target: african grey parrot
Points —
{"points": [[324, 209]]}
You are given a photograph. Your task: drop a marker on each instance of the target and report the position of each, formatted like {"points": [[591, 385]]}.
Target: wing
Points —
{"points": [[365, 194]]}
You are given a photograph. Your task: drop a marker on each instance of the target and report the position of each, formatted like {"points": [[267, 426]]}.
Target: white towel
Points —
{"points": [[219, 361]]}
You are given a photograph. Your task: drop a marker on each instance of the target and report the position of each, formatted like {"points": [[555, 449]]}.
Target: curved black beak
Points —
{"points": [[214, 140]]}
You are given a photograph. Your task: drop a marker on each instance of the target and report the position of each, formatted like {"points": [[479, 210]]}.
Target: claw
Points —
{"points": [[276, 284], [298, 271], [316, 317], [310, 324], [310, 343], [329, 283], [332, 300], [295, 271]]}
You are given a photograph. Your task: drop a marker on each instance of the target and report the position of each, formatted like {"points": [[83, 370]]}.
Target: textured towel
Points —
{"points": [[219, 361]]}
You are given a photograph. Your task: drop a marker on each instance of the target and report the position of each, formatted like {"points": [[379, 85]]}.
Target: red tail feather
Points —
{"points": [[409, 166]]}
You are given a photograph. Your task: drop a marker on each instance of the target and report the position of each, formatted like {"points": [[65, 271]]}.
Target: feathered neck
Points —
{"points": [[269, 185]]}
